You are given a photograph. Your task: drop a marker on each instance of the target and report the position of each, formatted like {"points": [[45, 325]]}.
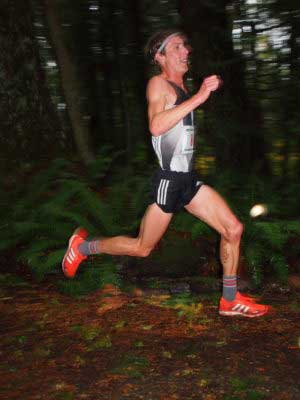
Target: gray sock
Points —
{"points": [[229, 287], [89, 247]]}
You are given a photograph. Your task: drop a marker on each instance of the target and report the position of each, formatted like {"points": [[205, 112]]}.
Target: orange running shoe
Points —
{"points": [[242, 307], [245, 297], [73, 257]]}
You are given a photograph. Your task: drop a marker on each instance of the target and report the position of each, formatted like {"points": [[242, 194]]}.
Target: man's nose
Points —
{"points": [[186, 50]]}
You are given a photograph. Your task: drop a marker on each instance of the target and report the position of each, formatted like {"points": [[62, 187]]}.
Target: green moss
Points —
{"points": [[131, 366]]}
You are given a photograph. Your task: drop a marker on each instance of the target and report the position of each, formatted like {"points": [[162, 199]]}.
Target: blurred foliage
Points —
{"points": [[265, 238], [39, 215], [254, 46]]}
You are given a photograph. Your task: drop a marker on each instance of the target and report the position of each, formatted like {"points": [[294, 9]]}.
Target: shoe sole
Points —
{"points": [[72, 238], [236, 313]]}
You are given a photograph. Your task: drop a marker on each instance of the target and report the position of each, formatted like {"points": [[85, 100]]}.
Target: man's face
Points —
{"points": [[176, 55]]}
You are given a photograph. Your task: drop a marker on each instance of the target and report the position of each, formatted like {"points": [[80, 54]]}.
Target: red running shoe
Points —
{"points": [[245, 297], [242, 307], [73, 257]]}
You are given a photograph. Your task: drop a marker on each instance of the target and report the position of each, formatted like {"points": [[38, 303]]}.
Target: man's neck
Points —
{"points": [[174, 77]]}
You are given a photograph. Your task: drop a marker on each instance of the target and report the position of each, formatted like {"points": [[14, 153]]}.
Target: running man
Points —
{"points": [[175, 184]]}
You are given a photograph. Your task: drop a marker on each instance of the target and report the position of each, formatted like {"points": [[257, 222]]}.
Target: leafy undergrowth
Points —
{"points": [[111, 345]]}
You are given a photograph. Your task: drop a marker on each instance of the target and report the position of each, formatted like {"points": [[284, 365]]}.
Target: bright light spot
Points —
{"points": [[236, 31], [247, 28], [262, 46], [61, 106], [51, 64], [93, 8], [258, 210]]}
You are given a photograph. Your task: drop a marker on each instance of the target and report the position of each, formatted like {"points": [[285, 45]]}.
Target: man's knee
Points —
{"points": [[234, 231], [145, 252], [141, 251]]}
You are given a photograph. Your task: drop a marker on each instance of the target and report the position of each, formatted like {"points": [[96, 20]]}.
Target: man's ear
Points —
{"points": [[159, 58]]}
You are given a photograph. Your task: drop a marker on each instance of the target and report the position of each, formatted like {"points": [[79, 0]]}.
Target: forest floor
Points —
{"points": [[111, 345]]}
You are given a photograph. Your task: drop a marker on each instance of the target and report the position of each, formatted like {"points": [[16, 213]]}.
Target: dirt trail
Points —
{"points": [[115, 346]]}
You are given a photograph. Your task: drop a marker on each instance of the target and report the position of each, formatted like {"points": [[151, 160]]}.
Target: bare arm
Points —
{"points": [[161, 120]]}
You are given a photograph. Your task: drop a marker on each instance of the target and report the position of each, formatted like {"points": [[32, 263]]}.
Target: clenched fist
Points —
{"points": [[209, 84]]}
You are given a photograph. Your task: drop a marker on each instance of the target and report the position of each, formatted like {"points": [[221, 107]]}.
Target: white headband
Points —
{"points": [[166, 41]]}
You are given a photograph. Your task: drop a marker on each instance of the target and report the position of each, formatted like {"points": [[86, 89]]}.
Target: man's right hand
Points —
{"points": [[209, 84]]}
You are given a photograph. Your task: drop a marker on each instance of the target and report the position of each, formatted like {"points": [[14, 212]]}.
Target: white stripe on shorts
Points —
{"points": [[160, 188], [165, 192], [162, 191]]}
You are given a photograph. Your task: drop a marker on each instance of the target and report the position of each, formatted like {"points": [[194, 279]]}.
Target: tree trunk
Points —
{"points": [[70, 82], [124, 106], [29, 122]]}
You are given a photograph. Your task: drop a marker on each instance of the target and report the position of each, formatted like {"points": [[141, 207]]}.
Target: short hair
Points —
{"points": [[156, 42]]}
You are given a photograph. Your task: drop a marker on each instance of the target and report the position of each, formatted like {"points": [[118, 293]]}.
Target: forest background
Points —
{"points": [[75, 146]]}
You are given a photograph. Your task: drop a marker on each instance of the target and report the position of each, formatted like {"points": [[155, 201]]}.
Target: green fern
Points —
{"points": [[110, 274], [184, 222], [96, 273], [44, 214], [264, 244], [39, 216], [273, 234], [292, 227], [280, 266], [47, 210], [254, 255], [88, 281]]}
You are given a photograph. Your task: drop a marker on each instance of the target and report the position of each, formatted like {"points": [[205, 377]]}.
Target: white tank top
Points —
{"points": [[175, 148]]}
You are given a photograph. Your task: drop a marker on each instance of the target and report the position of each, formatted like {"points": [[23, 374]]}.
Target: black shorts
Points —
{"points": [[172, 190]]}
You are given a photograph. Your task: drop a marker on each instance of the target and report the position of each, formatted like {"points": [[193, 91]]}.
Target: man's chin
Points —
{"points": [[184, 67]]}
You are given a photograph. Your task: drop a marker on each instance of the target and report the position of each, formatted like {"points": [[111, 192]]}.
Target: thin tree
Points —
{"points": [[70, 81]]}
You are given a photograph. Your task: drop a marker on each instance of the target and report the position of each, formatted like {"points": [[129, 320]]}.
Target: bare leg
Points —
{"points": [[153, 226], [211, 208]]}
